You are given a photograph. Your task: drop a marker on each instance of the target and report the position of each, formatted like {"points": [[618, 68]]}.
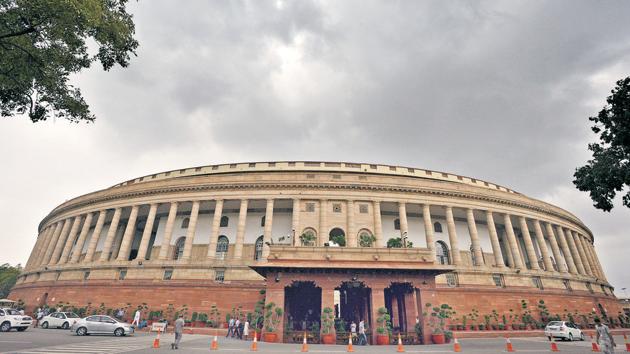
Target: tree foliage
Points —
{"points": [[609, 171], [8, 277], [43, 42]]}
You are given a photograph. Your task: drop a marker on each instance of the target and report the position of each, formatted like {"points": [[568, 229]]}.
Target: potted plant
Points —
{"points": [[328, 322], [308, 238], [201, 319], [227, 320], [384, 326], [193, 319], [366, 239], [273, 314], [437, 317]]}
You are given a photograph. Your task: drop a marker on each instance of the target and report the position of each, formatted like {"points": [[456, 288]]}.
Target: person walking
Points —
{"points": [[246, 329], [237, 328], [353, 331], [136, 318], [230, 328], [179, 330], [604, 338], [362, 336]]}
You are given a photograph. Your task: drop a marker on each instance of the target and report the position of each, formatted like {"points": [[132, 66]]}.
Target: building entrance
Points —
{"points": [[352, 304], [302, 308], [400, 303]]}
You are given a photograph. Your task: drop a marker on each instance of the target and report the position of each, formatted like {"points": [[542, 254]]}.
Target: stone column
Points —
{"points": [[529, 245], [578, 246], [240, 231], [428, 229], [295, 222], [37, 249], [168, 231], [588, 247], [378, 225], [542, 246], [494, 240], [268, 229], [378, 301], [574, 252], [82, 236], [352, 233], [402, 217], [89, 254], [70, 241], [562, 265], [216, 225], [130, 230], [190, 232], [591, 265], [600, 270], [50, 244], [565, 250], [111, 235], [143, 249], [516, 253], [452, 236], [41, 251], [474, 237], [61, 241], [323, 222]]}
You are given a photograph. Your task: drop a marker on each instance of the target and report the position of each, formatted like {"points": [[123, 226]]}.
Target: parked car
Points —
{"points": [[10, 318], [59, 320], [99, 324], [563, 330]]}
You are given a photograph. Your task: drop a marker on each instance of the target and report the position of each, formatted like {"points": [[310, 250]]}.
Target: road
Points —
{"points": [[57, 341]]}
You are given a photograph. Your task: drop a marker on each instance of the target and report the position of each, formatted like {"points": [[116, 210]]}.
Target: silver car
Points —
{"points": [[563, 330], [99, 324]]}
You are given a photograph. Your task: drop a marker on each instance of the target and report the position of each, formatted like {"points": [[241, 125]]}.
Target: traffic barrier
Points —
{"points": [[304, 344], [350, 349], [156, 341], [625, 339], [508, 345], [215, 343], [554, 346], [456, 346], [594, 345], [254, 347], [400, 346]]}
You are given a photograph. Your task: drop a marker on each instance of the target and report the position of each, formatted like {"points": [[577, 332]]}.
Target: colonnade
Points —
{"points": [[62, 242]]}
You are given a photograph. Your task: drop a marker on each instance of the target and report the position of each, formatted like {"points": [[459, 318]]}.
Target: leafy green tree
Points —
{"points": [[609, 171], [396, 242], [8, 277], [42, 42]]}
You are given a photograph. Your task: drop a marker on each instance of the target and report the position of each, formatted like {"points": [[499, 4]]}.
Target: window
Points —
{"points": [[185, 223], [437, 227], [224, 221], [589, 287], [262, 221], [122, 274], [396, 224], [499, 281], [441, 253], [310, 207], [451, 280], [168, 274], [336, 207], [86, 275], [219, 275], [179, 248], [258, 248], [538, 283], [567, 284], [363, 208], [366, 239], [222, 246]]}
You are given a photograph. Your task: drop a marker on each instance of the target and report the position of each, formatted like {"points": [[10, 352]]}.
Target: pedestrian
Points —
{"points": [[246, 329], [604, 338], [179, 330], [362, 336], [230, 328], [136, 318], [237, 326], [353, 331]]}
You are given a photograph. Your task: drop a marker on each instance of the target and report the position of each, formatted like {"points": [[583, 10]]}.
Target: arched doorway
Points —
{"points": [[222, 247], [179, 248], [400, 305], [302, 310], [352, 304], [337, 236], [258, 248], [441, 253]]}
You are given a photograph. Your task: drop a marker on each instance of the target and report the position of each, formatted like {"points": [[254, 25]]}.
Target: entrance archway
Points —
{"points": [[338, 236], [400, 305], [302, 309], [352, 304]]}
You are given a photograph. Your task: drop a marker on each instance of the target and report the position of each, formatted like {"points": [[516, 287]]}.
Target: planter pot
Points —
{"points": [[382, 339], [438, 338], [257, 335], [270, 337], [328, 338], [225, 325]]}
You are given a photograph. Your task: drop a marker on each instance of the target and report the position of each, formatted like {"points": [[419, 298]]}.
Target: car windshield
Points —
{"points": [[554, 323], [71, 315], [12, 312]]}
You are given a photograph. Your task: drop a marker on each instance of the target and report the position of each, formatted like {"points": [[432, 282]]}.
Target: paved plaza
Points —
{"points": [[39, 341]]}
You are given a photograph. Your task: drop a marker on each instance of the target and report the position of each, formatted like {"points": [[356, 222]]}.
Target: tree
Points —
{"points": [[8, 277], [396, 242], [42, 42], [609, 171]]}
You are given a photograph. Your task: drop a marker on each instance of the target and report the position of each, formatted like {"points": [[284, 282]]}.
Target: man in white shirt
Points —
{"points": [[136, 318]]}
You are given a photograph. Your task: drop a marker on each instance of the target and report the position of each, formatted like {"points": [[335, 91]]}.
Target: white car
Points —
{"points": [[99, 324], [10, 318], [563, 330], [62, 320]]}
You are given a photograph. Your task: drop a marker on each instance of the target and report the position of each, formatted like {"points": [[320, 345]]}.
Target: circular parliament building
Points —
{"points": [[352, 237]]}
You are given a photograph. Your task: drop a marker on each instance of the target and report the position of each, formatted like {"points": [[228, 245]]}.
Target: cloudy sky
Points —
{"points": [[496, 90]]}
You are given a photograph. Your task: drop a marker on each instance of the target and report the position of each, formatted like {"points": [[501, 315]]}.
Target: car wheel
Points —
{"points": [[45, 325], [582, 338], [570, 337], [119, 332], [65, 325], [22, 329], [5, 327], [81, 331]]}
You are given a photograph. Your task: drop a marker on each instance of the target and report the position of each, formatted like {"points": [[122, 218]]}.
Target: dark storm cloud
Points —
{"points": [[497, 90]]}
